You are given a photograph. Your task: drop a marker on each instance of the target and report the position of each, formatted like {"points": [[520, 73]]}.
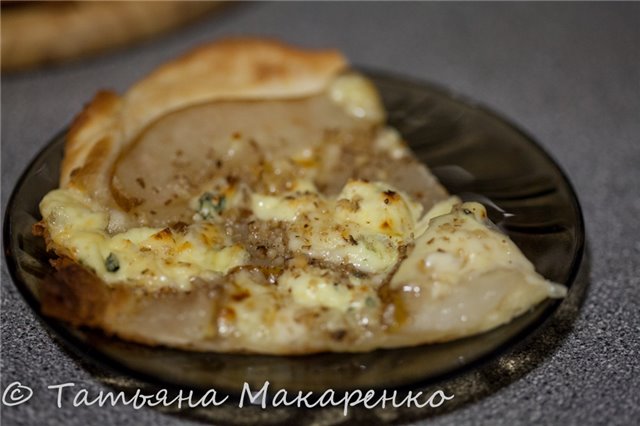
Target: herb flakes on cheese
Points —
{"points": [[158, 257]]}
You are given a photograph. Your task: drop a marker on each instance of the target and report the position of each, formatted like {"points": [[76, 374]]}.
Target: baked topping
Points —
{"points": [[284, 219]]}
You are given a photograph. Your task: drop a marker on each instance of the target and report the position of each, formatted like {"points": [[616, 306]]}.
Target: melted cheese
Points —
{"points": [[364, 226], [439, 209], [282, 208], [153, 256], [357, 96], [310, 288], [378, 209], [460, 276], [390, 141], [459, 246]]}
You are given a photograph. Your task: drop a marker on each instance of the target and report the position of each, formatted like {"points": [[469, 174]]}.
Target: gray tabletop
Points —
{"points": [[567, 73]]}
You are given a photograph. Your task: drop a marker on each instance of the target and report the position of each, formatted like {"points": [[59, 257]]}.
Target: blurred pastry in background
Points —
{"points": [[37, 33]]}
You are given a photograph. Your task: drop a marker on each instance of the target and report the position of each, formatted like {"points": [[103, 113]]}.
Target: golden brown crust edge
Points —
{"points": [[230, 69], [77, 296]]}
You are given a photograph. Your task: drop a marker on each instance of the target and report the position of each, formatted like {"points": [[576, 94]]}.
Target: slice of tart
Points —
{"points": [[249, 197]]}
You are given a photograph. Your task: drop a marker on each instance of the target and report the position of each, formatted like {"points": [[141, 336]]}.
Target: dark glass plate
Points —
{"points": [[475, 154]]}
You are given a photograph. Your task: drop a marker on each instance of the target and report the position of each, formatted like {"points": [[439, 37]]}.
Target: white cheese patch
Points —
{"points": [[153, 256], [357, 96], [313, 289], [378, 208]]}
